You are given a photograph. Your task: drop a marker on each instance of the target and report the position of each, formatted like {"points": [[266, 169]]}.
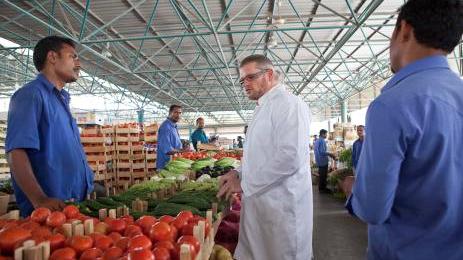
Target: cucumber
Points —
{"points": [[173, 209]]}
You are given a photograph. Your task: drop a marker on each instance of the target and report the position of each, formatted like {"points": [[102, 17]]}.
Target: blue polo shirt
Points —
{"points": [[410, 173], [168, 140], [198, 135], [40, 121], [321, 156], [356, 149]]}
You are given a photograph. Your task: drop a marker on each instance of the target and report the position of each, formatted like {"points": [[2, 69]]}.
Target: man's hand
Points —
{"points": [[229, 184], [49, 203]]}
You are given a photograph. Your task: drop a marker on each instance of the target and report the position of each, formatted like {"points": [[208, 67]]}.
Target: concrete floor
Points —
{"points": [[336, 235]]}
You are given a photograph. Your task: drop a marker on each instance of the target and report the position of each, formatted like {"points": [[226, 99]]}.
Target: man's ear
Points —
{"points": [[51, 57], [406, 32]]}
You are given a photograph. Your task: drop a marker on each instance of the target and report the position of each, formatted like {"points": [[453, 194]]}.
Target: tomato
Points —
{"points": [[96, 236], [81, 243], [179, 223], [128, 219], [117, 225], [56, 241], [189, 240], [112, 253], [144, 254], [11, 238], [167, 219], [66, 253], [41, 233], [101, 228], [169, 245], [40, 215], [173, 233], [91, 253], [161, 253], [115, 236], [139, 242], [145, 222], [123, 243], [185, 214], [188, 229], [30, 225], [71, 211], [132, 230], [56, 219], [160, 231], [103, 242]]}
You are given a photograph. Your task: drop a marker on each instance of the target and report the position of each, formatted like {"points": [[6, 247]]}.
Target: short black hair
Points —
{"points": [[323, 131], [173, 107], [199, 118], [260, 59], [362, 126], [47, 44], [436, 23]]}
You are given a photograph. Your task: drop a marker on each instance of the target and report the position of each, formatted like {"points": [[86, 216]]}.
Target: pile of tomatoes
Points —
{"points": [[120, 238]]}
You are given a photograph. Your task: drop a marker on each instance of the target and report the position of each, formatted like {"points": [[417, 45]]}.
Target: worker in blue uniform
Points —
{"points": [[357, 146], [409, 178], [169, 142], [47, 161]]}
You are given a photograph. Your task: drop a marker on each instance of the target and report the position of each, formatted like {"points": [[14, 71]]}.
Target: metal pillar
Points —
{"points": [[344, 111], [141, 116]]}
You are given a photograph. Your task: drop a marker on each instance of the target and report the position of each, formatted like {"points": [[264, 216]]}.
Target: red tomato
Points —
{"points": [[160, 231], [96, 236], [56, 219], [128, 219], [10, 238], [103, 242], [173, 233], [132, 230], [145, 222], [30, 225], [179, 223], [169, 245], [71, 211], [161, 253], [188, 229], [91, 254], [123, 243], [112, 253], [40, 215], [57, 241], [81, 243], [66, 253], [144, 254], [117, 225], [101, 228], [189, 240], [167, 219], [41, 233], [115, 236], [185, 214], [139, 242]]}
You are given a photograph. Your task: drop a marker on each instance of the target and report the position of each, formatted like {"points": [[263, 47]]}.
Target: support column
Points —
{"points": [[344, 111], [141, 116]]}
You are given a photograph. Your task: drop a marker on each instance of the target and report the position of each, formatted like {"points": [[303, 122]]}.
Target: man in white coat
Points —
{"points": [[274, 179]]}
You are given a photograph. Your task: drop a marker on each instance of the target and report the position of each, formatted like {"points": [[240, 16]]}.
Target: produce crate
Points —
{"points": [[138, 164], [98, 148], [124, 163], [152, 128], [138, 174], [101, 157], [133, 129]]}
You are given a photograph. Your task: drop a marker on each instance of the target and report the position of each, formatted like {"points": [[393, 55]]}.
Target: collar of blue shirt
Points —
{"points": [[50, 87], [431, 62], [171, 123]]}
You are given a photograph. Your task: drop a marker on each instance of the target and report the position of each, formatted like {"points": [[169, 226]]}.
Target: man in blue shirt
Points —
{"points": [[199, 134], [47, 161], [321, 158], [357, 147], [409, 178], [168, 137]]}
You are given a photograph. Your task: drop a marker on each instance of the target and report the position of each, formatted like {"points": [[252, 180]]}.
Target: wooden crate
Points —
{"points": [[98, 149], [126, 130], [101, 157], [124, 164], [153, 128], [138, 164]]}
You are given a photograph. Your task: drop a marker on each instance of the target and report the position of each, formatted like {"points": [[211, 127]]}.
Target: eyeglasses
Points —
{"points": [[251, 77]]}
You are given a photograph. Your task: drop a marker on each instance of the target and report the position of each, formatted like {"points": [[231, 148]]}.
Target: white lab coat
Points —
{"points": [[276, 211]]}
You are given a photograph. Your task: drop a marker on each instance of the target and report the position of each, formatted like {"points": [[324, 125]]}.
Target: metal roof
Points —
{"points": [[154, 53]]}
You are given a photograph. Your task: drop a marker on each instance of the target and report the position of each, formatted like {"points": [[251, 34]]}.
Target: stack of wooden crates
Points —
{"points": [[98, 146], [4, 168], [150, 136]]}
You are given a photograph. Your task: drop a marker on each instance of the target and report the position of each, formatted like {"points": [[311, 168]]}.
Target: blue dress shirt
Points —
{"points": [[198, 135], [168, 140], [321, 156], [356, 149], [40, 121], [409, 185]]}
